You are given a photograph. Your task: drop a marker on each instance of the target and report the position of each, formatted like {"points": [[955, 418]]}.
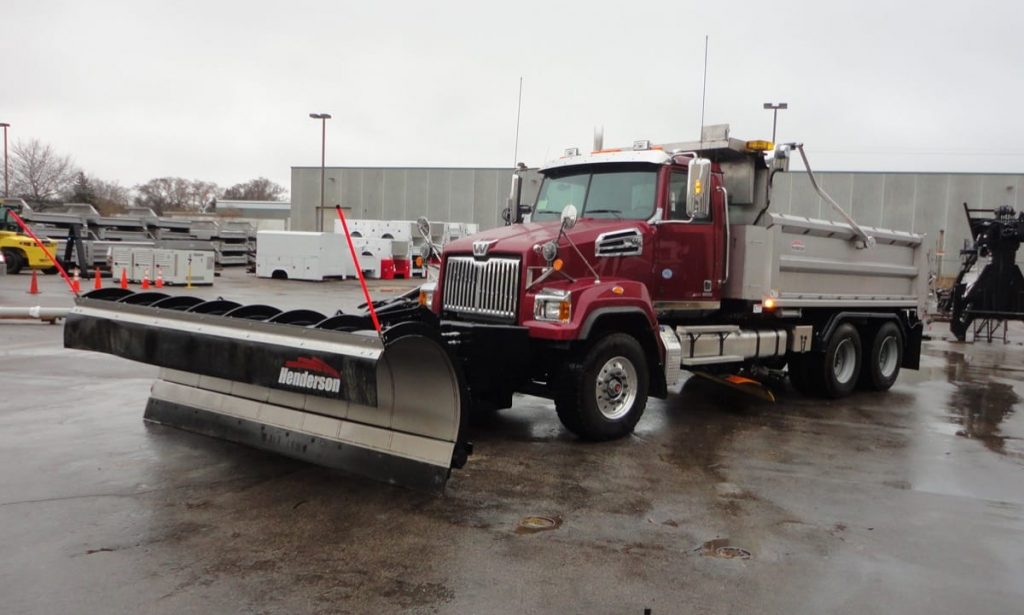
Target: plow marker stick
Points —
{"points": [[359, 269], [42, 246], [37, 312]]}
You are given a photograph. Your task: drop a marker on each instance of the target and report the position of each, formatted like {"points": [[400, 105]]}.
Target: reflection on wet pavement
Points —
{"points": [[979, 404]]}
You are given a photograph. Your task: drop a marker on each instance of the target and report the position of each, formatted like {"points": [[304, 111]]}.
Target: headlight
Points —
{"points": [[427, 294], [549, 251], [552, 305]]}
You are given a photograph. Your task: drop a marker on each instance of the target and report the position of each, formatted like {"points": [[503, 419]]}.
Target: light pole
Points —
{"points": [[775, 114], [323, 117], [5, 126]]}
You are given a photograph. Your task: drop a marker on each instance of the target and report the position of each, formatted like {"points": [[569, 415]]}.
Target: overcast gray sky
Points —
{"points": [[222, 90]]}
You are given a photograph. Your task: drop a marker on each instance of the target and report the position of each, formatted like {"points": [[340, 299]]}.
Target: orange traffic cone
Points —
{"points": [[159, 278], [97, 279], [76, 283], [145, 280], [124, 279], [33, 287]]}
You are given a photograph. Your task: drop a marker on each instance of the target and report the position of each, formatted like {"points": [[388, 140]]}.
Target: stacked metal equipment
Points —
{"points": [[982, 301]]}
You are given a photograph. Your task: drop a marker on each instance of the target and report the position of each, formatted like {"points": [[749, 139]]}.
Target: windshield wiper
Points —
{"points": [[617, 213]]}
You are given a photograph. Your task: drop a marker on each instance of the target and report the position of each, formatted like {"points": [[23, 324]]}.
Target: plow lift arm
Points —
{"points": [[998, 291], [379, 395]]}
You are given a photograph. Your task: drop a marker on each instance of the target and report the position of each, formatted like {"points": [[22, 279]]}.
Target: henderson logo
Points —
{"points": [[311, 374]]}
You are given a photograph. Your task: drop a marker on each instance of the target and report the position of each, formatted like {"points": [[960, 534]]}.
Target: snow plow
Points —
{"points": [[329, 390]]}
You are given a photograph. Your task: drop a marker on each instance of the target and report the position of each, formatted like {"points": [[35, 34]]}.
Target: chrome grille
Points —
{"points": [[481, 287]]}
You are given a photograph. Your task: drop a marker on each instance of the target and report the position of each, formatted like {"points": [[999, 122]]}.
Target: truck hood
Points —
{"points": [[520, 238]]}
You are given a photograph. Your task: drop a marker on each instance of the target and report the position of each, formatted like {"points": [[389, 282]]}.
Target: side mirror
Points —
{"points": [[423, 226], [698, 187], [569, 216]]}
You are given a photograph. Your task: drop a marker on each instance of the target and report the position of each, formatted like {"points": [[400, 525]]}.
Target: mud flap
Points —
{"points": [[385, 407]]}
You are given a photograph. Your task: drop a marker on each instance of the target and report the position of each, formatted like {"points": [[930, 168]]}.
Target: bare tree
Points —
{"points": [[259, 189], [110, 197], [202, 194], [161, 194], [164, 194], [38, 173]]}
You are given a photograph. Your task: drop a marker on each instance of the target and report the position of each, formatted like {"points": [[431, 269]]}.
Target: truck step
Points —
{"points": [[695, 361]]}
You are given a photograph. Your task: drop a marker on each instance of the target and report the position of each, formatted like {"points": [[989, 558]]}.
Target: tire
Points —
{"points": [[881, 361], [54, 270], [604, 389], [799, 377], [961, 322], [834, 372], [14, 261]]}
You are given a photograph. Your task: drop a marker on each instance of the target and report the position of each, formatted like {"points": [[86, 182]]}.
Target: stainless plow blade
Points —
{"points": [[297, 383]]}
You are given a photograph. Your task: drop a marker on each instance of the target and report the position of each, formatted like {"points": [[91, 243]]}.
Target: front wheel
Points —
{"points": [[605, 386]]}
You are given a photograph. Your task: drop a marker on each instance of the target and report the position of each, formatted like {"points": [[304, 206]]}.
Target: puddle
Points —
{"points": [[978, 406], [720, 547], [534, 524]]}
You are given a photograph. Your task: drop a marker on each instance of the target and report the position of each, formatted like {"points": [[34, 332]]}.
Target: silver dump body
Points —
{"points": [[808, 263]]}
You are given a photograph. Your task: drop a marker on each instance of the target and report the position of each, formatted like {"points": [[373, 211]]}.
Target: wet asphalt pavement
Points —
{"points": [[907, 502]]}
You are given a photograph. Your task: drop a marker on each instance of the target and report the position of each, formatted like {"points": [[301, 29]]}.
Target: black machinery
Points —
{"points": [[996, 295]]}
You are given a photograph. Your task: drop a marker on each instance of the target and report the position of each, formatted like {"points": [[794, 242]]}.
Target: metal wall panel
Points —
{"points": [[372, 192], [393, 193], [931, 200], [897, 208], [866, 203], [350, 192], [802, 199], [416, 185], [485, 186], [840, 188], [923, 202], [461, 195], [438, 192]]}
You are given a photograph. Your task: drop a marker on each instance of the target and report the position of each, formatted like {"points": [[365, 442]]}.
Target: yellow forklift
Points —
{"points": [[19, 250]]}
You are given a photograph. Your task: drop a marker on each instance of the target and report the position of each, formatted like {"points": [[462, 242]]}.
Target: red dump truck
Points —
{"points": [[635, 264]]}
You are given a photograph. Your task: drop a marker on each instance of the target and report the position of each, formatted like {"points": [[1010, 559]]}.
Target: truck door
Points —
{"points": [[687, 269]]}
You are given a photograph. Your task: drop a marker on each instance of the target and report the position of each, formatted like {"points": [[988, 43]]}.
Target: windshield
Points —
{"points": [[625, 193]]}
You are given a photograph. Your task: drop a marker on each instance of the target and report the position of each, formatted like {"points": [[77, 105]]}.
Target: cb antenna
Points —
{"points": [[519, 109], [704, 91]]}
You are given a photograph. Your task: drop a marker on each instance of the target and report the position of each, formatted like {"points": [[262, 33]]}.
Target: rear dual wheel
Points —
{"points": [[604, 388], [832, 373], [847, 363], [882, 359]]}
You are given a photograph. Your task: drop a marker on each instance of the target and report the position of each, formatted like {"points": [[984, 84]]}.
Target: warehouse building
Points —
{"points": [[396, 193], [929, 203]]}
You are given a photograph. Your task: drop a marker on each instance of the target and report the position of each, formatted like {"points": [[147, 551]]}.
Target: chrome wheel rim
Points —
{"points": [[888, 357], [615, 388], [845, 361]]}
